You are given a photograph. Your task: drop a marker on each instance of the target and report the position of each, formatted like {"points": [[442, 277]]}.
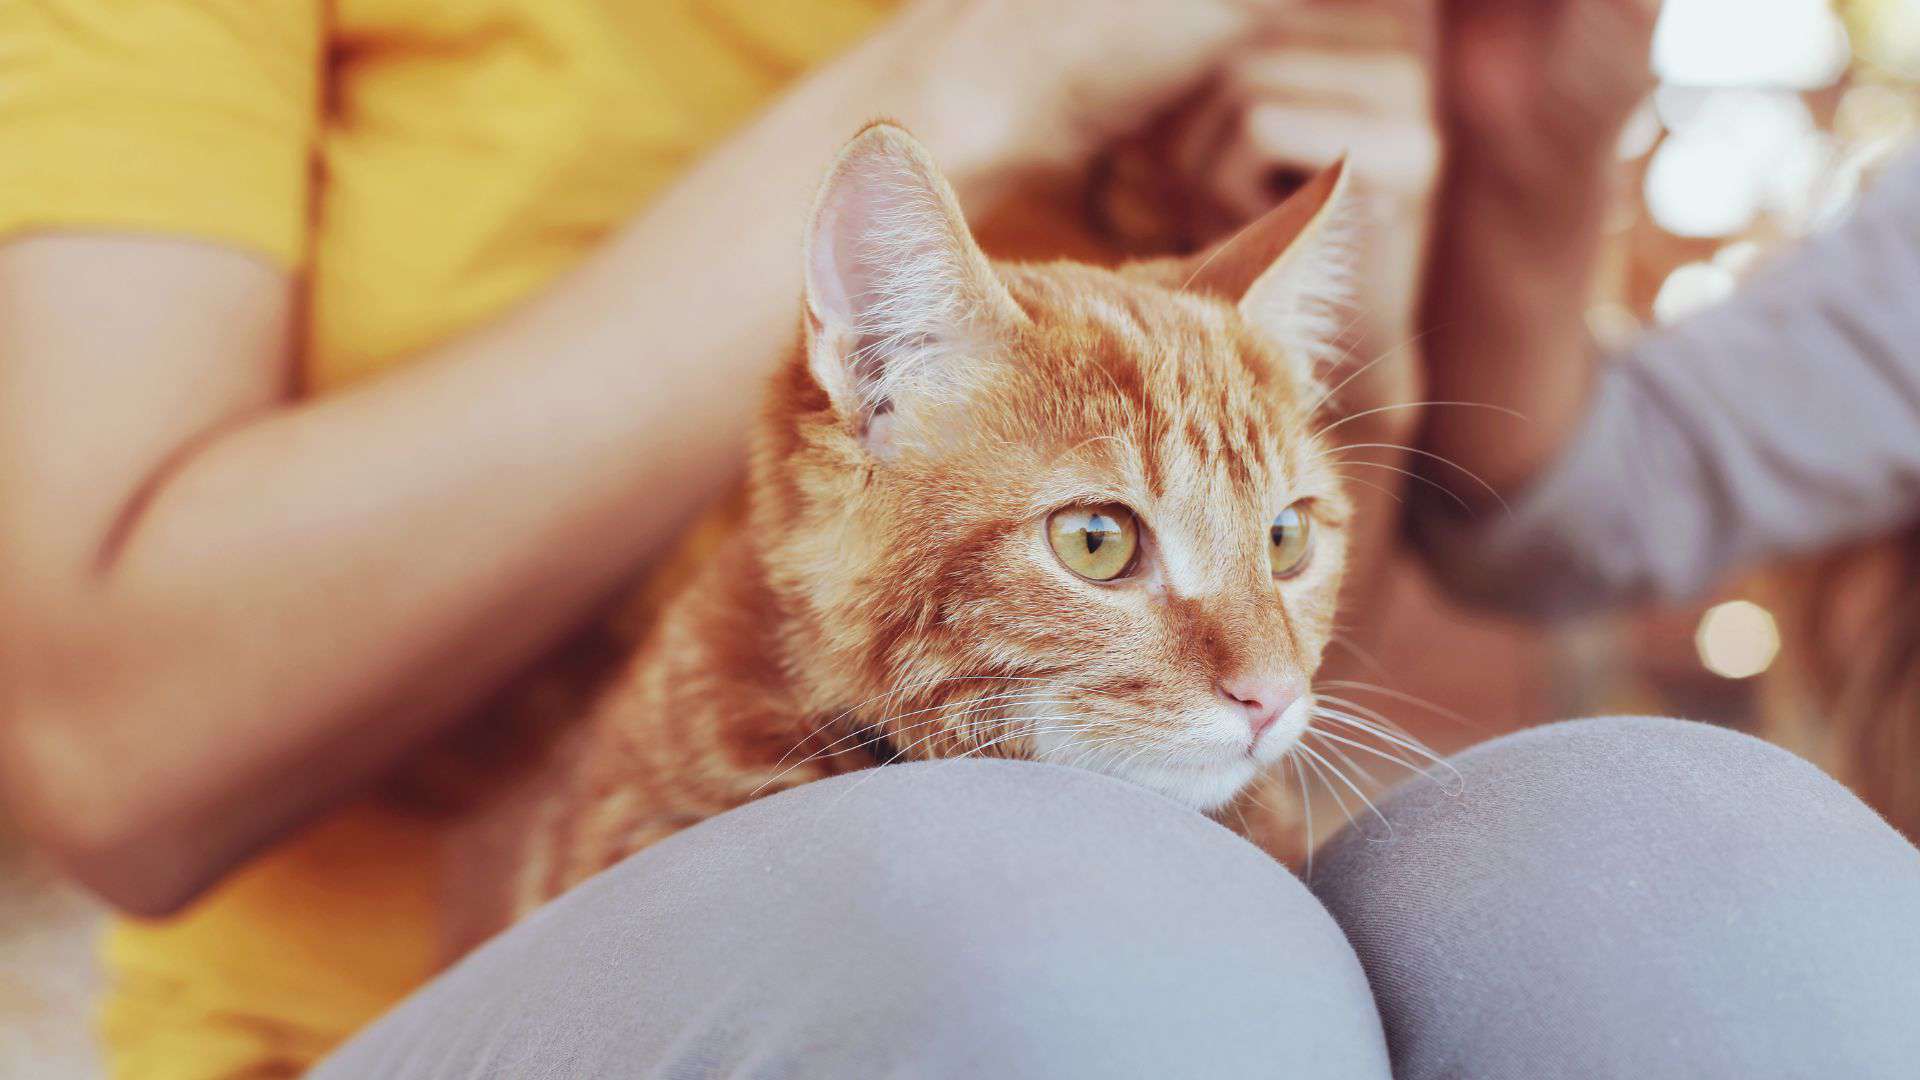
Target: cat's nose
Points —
{"points": [[1262, 697]]}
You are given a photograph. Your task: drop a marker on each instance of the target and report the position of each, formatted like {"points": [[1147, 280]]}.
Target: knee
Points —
{"points": [[957, 919], [1039, 921], [1642, 786], [1640, 897], [1639, 780], [952, 919]]}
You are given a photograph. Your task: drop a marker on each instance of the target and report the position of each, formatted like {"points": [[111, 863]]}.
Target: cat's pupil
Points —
{"points": [[1096, 532], [1279, 534]]}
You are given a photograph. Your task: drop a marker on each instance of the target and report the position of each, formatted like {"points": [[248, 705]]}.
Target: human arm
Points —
{"points": [[223, 609], [1784, 420], [1531, 97]]}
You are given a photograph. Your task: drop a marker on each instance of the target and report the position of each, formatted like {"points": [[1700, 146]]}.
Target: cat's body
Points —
{"points": [[909, 581]]}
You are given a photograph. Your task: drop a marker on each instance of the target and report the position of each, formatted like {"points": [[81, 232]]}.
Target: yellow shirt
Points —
{"points": [[422, 164]]}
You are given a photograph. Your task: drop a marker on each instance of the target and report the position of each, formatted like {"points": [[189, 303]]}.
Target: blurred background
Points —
{"points": [[1769, 117]]}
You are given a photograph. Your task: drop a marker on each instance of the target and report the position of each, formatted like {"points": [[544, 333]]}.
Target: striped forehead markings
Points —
{"points": [[1158, 358]]}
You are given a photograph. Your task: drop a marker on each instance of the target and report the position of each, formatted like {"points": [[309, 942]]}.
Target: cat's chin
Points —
{"points": [[1204, 784], [1203, 787], [1207, 782]]}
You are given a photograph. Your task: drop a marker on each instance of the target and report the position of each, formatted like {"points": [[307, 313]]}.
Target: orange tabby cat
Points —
{"points": [[1029, 511]]}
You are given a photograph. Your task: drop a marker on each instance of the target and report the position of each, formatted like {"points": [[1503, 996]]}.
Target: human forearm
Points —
{"points": [[1711, 443], [1532, 95], [1508, 287], [303, 591], [250, 605]]}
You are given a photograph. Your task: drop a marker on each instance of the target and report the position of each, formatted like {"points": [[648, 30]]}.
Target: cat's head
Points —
{"points": [[1055, 511]]}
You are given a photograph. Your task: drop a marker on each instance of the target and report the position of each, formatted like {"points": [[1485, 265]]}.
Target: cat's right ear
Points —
{"points": [[1289, 269], [901, 303]]}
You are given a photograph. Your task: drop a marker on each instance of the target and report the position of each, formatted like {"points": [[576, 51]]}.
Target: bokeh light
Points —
{"points": [[1797, 44], [1641, 133], [1691, 287], [1701, 188], [1738, 639], [1613, 325], [1889, 34], [1875, 111], [1738, 257], [1733, 154]]}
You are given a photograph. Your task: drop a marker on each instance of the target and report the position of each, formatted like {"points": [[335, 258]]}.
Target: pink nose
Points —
{"points": [[1263, 697]]}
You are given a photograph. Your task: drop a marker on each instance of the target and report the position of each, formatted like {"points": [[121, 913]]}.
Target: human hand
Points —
{"points": [[1046, 83], [1532, 95], [1530, 91]]}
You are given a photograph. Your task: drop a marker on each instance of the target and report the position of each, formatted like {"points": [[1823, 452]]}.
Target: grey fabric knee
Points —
{"points": [[1635, 898], [956, 919]]}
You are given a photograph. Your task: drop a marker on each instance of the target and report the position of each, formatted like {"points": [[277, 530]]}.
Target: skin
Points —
{"points": [[236, 595], [1532, 97]]}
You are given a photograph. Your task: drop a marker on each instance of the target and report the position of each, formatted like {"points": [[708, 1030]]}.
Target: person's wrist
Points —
{"points": [[1546, 192]]}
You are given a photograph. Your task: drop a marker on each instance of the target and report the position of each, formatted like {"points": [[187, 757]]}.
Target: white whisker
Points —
{"points": [[1351, 786], [1406, 698], [1339, 638], [1441, 458], [1421, 405], [1388, 492], [1411, 475], [1306, 808], [1328, 395], [1388, 755], [971, 705], [1354, 767], [1314, 763], [1384, 734]]}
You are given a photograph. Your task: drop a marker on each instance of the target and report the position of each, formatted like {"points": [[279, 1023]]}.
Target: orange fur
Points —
{"points": [[890, 593]]}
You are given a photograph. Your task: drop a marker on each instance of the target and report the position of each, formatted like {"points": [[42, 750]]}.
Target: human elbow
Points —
{"points": [[89, 811], [132, 881]]}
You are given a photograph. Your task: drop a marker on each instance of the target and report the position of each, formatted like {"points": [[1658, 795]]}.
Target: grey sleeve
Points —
{"points": [[1784, 420]]}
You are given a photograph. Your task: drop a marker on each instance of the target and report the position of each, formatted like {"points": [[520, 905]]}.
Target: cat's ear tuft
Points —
{"points": [[901, 303], [1290, 270]]}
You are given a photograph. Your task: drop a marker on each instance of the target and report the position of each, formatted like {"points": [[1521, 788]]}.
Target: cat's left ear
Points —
{"points": [[902, 305], [1289, 270]]}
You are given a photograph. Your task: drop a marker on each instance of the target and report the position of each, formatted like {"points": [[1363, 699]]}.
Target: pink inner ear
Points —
{"points": [[861, 239], [869, 262], [889, 267], [876, 234], [826, 286], [903, 296]]}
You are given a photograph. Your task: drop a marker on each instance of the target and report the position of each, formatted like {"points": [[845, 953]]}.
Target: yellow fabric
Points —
{"points": [[423, 166], [185, 117]]}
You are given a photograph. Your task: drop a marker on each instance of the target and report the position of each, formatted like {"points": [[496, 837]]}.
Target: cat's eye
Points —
{"points": [[1100, 543], [1289, 541]]}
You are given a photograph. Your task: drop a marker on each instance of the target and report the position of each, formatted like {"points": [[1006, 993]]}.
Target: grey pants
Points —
{"points": [[1628, 898]]}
